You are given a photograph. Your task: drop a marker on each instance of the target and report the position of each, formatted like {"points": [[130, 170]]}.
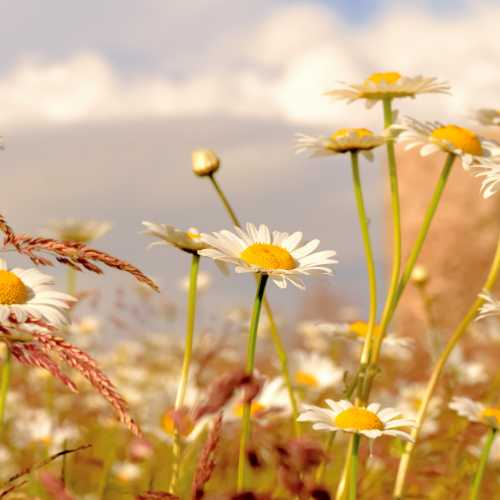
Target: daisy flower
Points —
{"points": [[344, 140], [491, 172], [82, 231], [371, 421], [467, 372], [272, 400], [28, 294], [278, 255], [313, 371], [357, 331], [188, 241], [476, 412], [432, 137], [388, 85], [127, 471], [491, 306], [487, 116]]}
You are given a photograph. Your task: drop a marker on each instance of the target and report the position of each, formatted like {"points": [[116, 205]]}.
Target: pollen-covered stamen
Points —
{"points": [[304, 378], [491, 414], [268, 257], [386, 77], [344, 132], [460, 138], [12, 289], [359, 419]]}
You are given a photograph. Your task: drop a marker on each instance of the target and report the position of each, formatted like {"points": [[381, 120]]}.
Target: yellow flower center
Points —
{"points": [[360, 328], [255, 408], [359, 419], [184, 426], [268, 257], [344, 132], [386, 77], [304, 378], [460, 138], [12, 289], [491, 414]]}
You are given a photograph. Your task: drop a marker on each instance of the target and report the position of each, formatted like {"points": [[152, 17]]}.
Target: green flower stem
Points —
{"points": [[353, 477], [438, 368], [188, 348], [370, 265], [396, 218], [275, 336], [4, 386], [483, 460], [188, 351], [225, 201], [251, 348]]}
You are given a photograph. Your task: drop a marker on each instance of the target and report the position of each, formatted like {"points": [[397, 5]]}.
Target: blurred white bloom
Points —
{"points": [[88, 325], [203, 283], [315, 372], [467, 372], [127, 471], [409, 401], [487, 116], [476, 411], [81, 231], [491, 306], [188, 241], [273, 400]]}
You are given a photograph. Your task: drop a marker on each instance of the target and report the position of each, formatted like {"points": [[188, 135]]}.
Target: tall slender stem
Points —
{"points": [[353, 477], [424, 229], [251, 348], [320, 473], [188, 351], [188, 347], [370, 264], [4, 386], [438, 368], [275, 336], [396, 220], [483, 460]]}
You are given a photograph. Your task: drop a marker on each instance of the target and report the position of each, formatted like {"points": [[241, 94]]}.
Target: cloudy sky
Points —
{"points": [[102, 102]]}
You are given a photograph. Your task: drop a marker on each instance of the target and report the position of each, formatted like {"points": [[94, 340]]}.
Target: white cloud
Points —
{"points": [[284, 64]]}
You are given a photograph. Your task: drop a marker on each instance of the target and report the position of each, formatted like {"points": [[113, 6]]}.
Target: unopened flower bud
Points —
{"points": [[205, 162], [419, 276]]}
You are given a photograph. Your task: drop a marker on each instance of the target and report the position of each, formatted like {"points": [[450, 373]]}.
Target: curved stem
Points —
{"points": [[4, 386], [188, 351], [370, 265], [225, 201], [396, 238], [353, 477], [424, 229], [414, 254], [275, 336], [438, 368], [251, 348], [483, 460]]}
